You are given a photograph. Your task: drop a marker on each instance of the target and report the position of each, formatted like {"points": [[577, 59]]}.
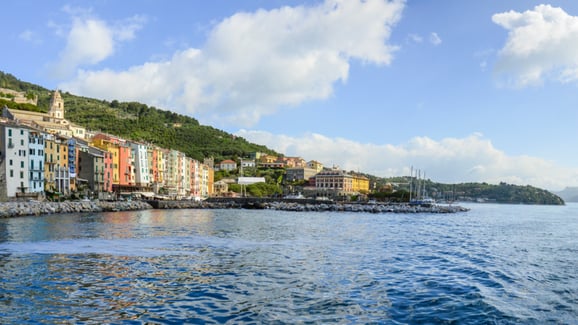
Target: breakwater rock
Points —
{"points": [[303, 205], [15, 209], [368, 208]]}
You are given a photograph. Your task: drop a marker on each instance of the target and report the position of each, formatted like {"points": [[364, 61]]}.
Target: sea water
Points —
{"points": [[496, 264]]}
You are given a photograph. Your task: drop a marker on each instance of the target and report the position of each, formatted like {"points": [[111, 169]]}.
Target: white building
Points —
{"points": [[14, 157], [36, 161], [176, 171], [141, 164], [228, 165], [205, 192]]}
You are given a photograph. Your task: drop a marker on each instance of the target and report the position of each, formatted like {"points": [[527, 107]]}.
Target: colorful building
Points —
{"points": [[20, 148], [56, 171], [142, 177]]}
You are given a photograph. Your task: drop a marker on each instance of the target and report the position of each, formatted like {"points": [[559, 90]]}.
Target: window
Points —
{"points": [[21, 132], [11, 162], [21, 142], [11, 173], [9, 132], [21, 174], [21, 164]]}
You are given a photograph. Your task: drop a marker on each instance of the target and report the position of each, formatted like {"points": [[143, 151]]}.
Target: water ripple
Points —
{"points": [[254, 267]]}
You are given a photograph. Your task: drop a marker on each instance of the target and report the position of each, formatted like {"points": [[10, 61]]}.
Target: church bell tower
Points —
{"points": [[56, 106]]}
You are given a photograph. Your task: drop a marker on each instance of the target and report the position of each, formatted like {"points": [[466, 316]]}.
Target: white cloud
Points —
{"points": [[255, 63], [91, 40], [450, 160], [542, 45], [415, 38], [126, 29], [435, 39], [29, 36]]}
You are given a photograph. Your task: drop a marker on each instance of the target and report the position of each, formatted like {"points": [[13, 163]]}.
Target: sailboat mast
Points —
{"points": [[410, 182]]}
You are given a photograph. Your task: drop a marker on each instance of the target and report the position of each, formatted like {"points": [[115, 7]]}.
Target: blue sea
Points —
{"points": [[496, 264]]}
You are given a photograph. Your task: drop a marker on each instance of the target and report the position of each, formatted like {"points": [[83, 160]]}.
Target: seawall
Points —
{"points": [[15, 209], [303, 205]]}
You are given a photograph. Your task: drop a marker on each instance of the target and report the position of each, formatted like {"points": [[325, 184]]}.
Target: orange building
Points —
{"points": [[122, 161]]}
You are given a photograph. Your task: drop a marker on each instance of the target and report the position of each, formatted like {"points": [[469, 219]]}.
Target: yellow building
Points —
{"points": [[360, 184], [114, 149], [56, 171], [338, 182], [267, 159], [207, 178], [313, 164]]}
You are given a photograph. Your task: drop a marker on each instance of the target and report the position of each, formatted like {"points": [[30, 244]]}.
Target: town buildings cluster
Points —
{"points": [[45, 154], [313, 178]]}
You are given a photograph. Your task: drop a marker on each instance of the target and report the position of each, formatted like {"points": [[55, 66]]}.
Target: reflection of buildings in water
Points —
{"points": [[113, 283], [184, 221]]}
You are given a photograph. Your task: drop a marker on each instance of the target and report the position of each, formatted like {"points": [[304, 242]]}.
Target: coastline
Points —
{"points": [[17, 209]]}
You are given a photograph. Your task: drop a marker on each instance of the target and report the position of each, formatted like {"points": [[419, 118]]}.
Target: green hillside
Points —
{"points": [[501, 193], [140, 122]]}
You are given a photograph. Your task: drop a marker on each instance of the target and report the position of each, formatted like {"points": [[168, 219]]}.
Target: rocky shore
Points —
{"points": [[15, 209], [306, 205]]}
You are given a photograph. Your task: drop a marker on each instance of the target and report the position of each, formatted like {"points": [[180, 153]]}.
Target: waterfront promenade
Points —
{"points": [[15, 209]]}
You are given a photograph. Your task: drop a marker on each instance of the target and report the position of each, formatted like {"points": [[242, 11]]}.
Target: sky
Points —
{"points": [[465, 91]]}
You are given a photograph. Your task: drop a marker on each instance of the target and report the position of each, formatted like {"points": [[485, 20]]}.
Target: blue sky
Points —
{"points": [[482, 91]]}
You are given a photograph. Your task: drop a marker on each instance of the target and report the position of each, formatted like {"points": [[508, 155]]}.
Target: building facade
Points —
{"points": [[14, 159], [36, 161], [142, 178], [56, 171], [228, 165], [299, 174]]}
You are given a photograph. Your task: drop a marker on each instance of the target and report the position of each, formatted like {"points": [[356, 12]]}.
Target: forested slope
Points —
{"points": [[138, 121]]}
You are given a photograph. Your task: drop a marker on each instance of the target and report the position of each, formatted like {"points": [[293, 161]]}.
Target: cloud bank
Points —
{"points": [[90, 40], [251, 63], [450, 160], [542, 45]]}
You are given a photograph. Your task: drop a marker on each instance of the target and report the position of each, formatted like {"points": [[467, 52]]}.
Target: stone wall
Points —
{"points": [[15, 209]]}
